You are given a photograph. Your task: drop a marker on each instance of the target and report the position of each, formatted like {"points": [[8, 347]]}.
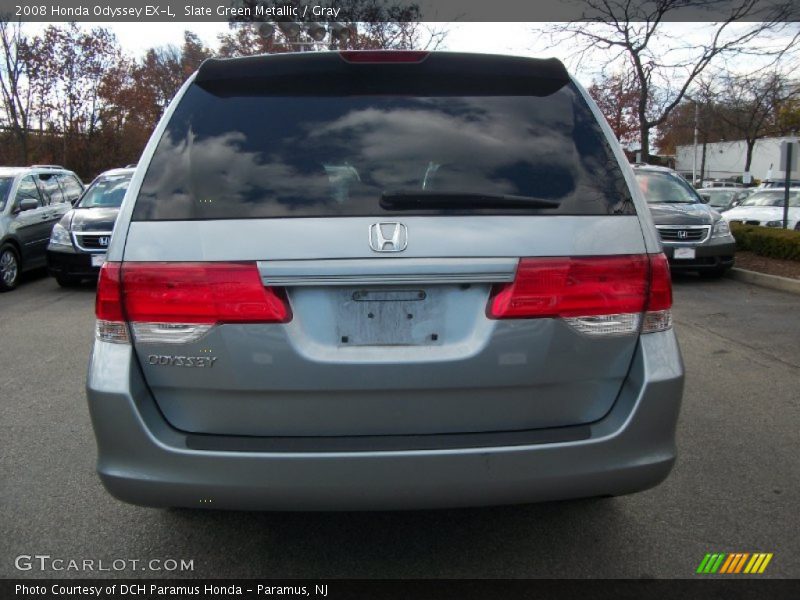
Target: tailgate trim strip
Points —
{"points": [[385, 271], [387, 443]]}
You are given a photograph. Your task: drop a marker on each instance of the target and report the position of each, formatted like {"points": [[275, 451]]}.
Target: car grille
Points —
{"points": [[694, 234], [93, 241]]}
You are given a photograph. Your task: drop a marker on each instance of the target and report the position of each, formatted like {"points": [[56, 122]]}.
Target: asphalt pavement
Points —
{"points": [[735, 487]]}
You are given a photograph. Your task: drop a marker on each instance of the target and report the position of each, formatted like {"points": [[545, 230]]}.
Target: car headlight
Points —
{"points": [[721, 228], [60, 236], [774, 223]]}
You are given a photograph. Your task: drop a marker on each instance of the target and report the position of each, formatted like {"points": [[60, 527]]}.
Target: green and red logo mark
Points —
{"points": [[734, 563]]}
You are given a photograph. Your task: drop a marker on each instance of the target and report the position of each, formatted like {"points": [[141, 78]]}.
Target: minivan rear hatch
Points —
{"points": [[329, 246]]}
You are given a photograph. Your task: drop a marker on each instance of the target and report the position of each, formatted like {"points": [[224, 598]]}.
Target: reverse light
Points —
{"points": [[176, 302], [110, 325], [658, 312], [598, 295]]}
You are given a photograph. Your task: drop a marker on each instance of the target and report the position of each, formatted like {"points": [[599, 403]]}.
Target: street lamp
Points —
{"points": [[308, 34], [316, 31], [694, 151], [290, 29], [341, 32], [267, 30]]}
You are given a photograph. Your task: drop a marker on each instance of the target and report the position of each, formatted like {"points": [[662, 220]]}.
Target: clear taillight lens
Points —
{"points": [[110, 325], [658, 315]]}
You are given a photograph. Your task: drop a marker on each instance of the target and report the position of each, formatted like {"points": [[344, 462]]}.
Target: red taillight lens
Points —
{"points": [[660, 296], [190, 293], [573, 287], [384, 56], [108, 302], [199, 293]]}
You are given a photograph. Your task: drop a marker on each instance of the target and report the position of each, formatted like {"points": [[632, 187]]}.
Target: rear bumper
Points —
{"points": [[69, 264], [142, 460], [713, 255]]}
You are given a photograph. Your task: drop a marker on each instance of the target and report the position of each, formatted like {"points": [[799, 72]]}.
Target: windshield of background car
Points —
{"points": [[779, 183], [315, 156], [665, 187], [106, 192], [5, 187], [772, 199], [719, 197]]}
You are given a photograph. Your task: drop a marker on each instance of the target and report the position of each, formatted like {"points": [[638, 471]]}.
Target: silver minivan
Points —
{"points": [[382, 280]]}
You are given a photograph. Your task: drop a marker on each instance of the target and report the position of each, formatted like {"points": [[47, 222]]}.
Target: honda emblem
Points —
{"points": [[388, 237]]}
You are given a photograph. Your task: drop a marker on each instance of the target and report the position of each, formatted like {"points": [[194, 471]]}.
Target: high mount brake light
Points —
{"points": [[384, 56]]}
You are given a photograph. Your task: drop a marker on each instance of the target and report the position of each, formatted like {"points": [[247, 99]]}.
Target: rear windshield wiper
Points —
{"points": [[407, 200]]}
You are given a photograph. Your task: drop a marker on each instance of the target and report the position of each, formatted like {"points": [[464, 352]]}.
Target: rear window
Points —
{"points": [[256, 156]]}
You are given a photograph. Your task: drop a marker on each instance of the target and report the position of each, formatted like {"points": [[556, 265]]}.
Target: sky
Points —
{"points": [[503, 38]]}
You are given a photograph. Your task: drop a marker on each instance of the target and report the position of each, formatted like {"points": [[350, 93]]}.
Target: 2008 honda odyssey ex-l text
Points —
{"points": [[382, 280]]}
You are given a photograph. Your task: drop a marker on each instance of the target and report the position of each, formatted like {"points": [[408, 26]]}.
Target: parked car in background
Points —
{"points": [[694, 235], [383, 280], [721, 183], [765, 208], [32, 201], [79, 241], [722, 199], [767, 184]]}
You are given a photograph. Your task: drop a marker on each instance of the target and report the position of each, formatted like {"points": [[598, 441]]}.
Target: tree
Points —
{"points": [[750, 105], [16, 94], [67, 68], [193, 53], [631, 34], [616, 96]]}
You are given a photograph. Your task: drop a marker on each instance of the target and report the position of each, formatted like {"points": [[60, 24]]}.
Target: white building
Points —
{"points": [[726, 159]]}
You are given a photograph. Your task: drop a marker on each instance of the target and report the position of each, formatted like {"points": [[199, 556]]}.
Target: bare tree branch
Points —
{"points": [[631, 36]]}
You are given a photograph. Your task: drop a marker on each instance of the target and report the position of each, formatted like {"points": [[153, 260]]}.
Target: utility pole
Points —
{"points": [[787, 149], [694, 157]]}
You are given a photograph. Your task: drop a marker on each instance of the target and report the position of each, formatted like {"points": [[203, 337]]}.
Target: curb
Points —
{"points": [[784, 284]]}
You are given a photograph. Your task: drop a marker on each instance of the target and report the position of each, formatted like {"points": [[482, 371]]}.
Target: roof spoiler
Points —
{"points": [[335, 74]]}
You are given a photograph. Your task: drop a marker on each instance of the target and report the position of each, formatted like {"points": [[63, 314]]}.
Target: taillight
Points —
{"points": [[110, 325], [384, 56], [658, 315], [176, 302], [598, 295]]}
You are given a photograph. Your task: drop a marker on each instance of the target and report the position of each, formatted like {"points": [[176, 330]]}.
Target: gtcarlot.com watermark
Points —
{"points": [[48, 563]]}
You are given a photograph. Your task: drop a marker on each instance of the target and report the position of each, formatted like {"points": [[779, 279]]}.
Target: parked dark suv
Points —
{"points": [[694, 235], [79, 241], [32, 200], [379, 280]]}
